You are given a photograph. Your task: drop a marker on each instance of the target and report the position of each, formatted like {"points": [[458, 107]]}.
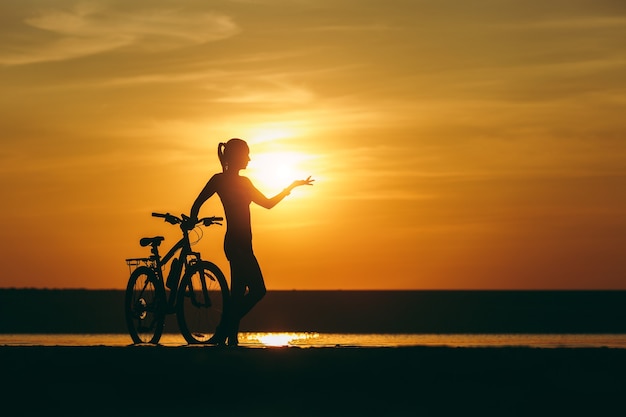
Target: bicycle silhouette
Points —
{"points": [[198, 291]]}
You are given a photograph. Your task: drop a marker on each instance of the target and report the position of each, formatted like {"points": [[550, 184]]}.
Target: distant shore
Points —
{"points": [[171, 381], [102, 311]]}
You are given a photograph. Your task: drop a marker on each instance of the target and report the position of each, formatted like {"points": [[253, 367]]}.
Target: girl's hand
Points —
{"points": [[298, 183]]}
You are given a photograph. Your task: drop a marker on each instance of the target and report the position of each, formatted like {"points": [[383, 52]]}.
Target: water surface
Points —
{"points": [[306, 339]]}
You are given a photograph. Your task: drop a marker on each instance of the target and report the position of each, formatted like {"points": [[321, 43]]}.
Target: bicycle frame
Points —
{"points": [[184, 247], [187, 257]]}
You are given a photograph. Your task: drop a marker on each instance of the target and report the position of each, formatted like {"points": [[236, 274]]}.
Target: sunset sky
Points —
{"points": [[455, 145]]}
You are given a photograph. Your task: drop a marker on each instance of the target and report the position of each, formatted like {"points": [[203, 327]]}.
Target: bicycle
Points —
{"points": [[198, 291]]}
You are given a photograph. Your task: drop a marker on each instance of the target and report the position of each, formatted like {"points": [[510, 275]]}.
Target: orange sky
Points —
{"points": [[455, 145]]}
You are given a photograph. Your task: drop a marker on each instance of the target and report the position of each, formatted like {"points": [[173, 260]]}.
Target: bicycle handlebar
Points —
{"points": [[206, 221]]}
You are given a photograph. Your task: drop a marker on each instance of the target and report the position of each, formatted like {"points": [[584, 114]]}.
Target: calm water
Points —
{"points": [[301, 339]]}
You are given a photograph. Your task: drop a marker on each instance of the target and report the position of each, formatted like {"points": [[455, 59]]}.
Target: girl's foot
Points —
{"points": [[218, 338], [233, 341]]}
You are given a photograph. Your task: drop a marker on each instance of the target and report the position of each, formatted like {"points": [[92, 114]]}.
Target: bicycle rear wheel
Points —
{"points": [[202, 300], [144, 306]]}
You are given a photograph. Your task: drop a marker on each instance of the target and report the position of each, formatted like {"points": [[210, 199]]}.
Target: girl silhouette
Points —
{"points": [[236, 193]]}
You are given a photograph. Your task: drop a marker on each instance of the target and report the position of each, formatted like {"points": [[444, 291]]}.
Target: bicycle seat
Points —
{"points": [[151, 241]]}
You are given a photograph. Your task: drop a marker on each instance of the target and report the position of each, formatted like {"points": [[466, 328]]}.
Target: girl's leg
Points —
{"points": [[237, 294], [245, 274], [255, 284]]}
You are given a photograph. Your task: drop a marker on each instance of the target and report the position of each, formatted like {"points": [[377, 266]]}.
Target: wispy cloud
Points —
{"points": [[88, 30], [274, 91], [373, 27], [591, 22]]}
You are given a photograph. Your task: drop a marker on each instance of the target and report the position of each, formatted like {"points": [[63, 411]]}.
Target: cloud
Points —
{"points": [[576, 23], [274, 92], [374, 27], [87, 30]]}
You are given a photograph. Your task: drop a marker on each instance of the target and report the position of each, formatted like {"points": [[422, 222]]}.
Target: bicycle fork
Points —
{"points": [[205, 299]]}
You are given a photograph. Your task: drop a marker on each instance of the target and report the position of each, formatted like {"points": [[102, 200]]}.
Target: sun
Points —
{"points": [[274, 164], [272, 171]]}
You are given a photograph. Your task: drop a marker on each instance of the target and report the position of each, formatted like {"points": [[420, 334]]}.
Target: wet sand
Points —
{"points": [[415, 381]]}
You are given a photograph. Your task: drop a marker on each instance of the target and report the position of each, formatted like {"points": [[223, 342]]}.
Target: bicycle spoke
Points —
{"points": [[144, 301], [200, 305]]}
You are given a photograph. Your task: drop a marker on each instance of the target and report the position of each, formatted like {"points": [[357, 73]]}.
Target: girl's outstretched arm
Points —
{"points": [[268, 203]]}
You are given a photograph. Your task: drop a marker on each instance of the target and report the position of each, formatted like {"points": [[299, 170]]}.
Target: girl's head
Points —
{"points": [[234, 154]]}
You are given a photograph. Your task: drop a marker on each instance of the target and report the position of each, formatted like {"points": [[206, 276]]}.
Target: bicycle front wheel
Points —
{"points": [[144, 306], [202, 300]]}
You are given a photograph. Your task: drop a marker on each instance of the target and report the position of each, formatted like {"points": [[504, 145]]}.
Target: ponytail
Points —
{"points": [[220, 154]]}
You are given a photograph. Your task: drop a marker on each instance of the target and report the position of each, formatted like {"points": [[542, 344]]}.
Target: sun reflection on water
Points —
{"points": [[280, 338]]}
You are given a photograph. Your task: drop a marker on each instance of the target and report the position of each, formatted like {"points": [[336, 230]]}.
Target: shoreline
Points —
{"points": [[159, 380], [317, 340]]}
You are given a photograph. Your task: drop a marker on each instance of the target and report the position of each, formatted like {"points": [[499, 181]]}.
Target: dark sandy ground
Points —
{"points": [[404, 381]]}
